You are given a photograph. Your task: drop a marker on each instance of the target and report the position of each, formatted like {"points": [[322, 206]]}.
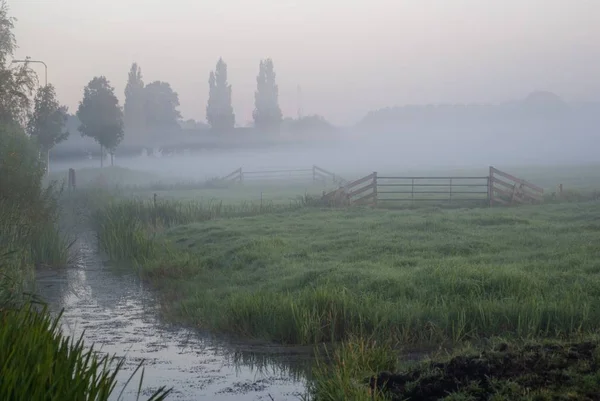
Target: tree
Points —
{"points": [[219, 112], [100, 115], [160, 106], [133, 109], [267, 114], [17, 82], [48, 121]]}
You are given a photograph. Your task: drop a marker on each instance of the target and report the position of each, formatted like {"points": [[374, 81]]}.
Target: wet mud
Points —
{"points": [[119, 315], [548, 371]]}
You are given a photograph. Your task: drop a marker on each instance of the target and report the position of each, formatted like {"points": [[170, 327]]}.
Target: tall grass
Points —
{"points": [[51, 248], [36, 361], [126, 227], [339, 374], [38, 237], [42, 364], [420, 277], [330, 314]]}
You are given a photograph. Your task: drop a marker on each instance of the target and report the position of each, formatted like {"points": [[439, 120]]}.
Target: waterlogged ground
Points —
{"points": [[120, 316]]}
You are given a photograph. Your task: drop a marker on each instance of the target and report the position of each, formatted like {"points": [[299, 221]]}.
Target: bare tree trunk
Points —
{"points": [[111, 159], [101, 156]]}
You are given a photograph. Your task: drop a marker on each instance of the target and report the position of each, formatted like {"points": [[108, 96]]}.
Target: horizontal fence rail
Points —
{"points": [[506, 189], [322, 175], [315, 174], [432, 189], [287, 175], [499, 188]]}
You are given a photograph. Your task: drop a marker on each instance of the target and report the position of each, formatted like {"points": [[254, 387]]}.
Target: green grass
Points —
{"points": [[42, 364], [423, 276], [338, 374], [249, 193], [126, 228], [374, 281]]}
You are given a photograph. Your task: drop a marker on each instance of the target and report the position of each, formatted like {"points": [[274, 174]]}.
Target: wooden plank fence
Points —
{"points": [[235, 176], [498, 188], [472, 189], [322, 175], [360, 192], [315, 173], [506, 189]]}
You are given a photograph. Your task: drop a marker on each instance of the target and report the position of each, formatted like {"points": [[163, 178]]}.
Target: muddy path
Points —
{"points": [[120, 316]]}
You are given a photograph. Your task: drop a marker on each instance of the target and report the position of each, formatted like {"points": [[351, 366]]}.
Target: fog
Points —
{"points": [[408, 85], [348, 59], [357, 156]]}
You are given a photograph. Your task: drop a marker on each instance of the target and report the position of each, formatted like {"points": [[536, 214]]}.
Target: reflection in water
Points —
{"points": [[119, 316]]}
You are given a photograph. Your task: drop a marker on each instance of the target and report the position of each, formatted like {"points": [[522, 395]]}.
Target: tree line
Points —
{"points": [[153, 106]]}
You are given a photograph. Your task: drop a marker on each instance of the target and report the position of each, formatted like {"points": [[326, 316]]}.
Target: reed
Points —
{"points": [[42, 364]]}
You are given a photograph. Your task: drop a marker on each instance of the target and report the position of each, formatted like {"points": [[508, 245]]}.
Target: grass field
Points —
{"points": [[430, 276], [373, 280]]}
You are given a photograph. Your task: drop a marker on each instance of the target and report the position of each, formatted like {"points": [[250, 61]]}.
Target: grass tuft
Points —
{"points": [[42, 364]]}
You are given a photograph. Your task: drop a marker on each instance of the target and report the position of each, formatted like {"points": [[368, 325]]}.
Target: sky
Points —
{"points": [[348, 57]]}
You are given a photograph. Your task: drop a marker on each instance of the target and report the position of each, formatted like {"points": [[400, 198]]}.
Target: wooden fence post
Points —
{"points": [[491, 187], [375, 188], [450, 197], [71, 184]]}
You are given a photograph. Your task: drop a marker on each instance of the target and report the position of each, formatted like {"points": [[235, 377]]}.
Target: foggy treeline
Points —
{"points": [[539, 127]]}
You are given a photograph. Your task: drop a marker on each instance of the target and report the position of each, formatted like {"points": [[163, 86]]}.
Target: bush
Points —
{"points": [[21, 176], [28, 209]]}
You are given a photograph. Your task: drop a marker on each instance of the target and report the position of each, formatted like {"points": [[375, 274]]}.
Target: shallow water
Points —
{"points": [[120, 316]]}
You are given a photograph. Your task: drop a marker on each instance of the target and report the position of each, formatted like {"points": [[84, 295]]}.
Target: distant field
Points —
{"points": [[136, 183], [576, 177]]}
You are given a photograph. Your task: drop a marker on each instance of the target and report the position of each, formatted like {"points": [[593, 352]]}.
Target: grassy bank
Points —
{"points": [[37, 361], [378, 281], [29, 234], [424, 276], [501, 371], [42, 364]]}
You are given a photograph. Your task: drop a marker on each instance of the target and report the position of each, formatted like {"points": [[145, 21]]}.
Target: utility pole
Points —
{"points": [[29, 60]]}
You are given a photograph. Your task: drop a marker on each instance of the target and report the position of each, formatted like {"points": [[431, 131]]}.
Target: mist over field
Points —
{"points": [[316, 200], [385, 141]]}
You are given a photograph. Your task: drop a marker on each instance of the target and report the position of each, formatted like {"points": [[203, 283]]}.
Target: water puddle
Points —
{"points": [[120, 316]]}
